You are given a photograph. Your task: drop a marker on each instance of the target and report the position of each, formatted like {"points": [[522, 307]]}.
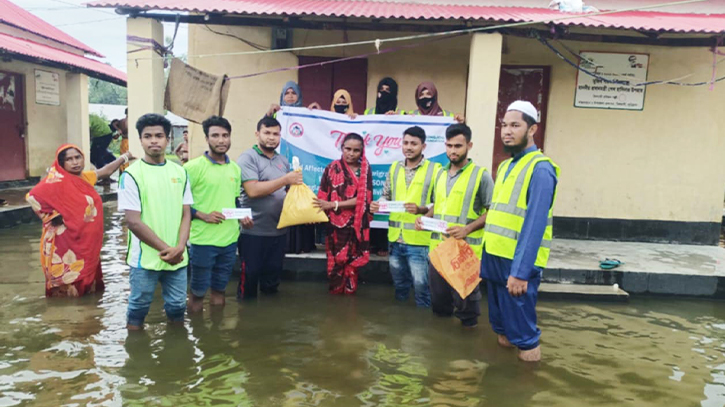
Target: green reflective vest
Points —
{"points": [[419, 192], [446, 113], [456, 207], [371, 110], [161, 191], [506, 215]]}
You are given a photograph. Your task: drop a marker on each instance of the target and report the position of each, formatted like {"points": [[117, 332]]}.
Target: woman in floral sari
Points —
{"points": [[72, 215], [346, 191]]}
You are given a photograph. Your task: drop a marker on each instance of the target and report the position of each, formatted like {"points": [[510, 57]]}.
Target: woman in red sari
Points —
{"points": [[346, 191], [72, 215]]}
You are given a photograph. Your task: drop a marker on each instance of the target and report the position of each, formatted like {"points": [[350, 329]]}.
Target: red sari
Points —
{"points": [[70, 254], [348, 233]]}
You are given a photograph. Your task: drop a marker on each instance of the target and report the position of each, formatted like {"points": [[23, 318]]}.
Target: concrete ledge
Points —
{"points": [[582, 292], [312, 266], [649, 268]]}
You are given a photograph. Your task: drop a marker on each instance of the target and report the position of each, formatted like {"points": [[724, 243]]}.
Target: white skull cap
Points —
{"points": [[524, 107]]}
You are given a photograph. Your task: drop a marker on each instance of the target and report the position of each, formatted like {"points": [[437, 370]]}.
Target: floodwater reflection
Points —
{"points": [[304, 347]]}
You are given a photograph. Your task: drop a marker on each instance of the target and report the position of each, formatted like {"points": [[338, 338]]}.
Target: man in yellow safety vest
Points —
{"points": [[409, 181], [462, 194], [518, 232]]}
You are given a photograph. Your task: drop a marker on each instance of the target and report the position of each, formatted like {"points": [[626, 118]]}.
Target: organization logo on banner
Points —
{"points": [[296, 130]]}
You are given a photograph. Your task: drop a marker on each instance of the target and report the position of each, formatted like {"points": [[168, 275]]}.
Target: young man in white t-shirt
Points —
{"points": [[156, 197]]}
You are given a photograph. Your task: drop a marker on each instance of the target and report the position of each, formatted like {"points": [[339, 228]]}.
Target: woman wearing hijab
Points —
{"points": [[346, 191], [291, 96], [72, 215], [426, 98], [342, 103], [387, 99]]}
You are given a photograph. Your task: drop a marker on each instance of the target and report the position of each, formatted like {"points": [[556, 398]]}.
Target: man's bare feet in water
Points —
{"points": [[504, 342], [531, 355]]}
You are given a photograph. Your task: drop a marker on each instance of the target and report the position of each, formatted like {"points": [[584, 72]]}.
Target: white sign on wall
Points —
{"points": [[47, 88], [627, 69]]}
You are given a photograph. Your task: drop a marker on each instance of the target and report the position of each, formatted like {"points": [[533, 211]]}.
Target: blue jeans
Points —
{"points": [[143, 285], [211, 266], [409, 267]]}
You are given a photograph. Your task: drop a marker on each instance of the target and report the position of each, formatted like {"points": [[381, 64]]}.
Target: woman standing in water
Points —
{"points": [[346, 191], [72, 215]]}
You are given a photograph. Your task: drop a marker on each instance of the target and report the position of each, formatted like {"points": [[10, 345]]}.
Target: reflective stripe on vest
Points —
{"points": [[456, 206], [446, 113], [506, 215], [419, 192], [370, 110]]}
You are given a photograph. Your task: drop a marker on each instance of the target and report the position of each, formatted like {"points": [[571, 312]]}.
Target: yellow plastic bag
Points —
{"points": [[298, 209], [457, 264]]}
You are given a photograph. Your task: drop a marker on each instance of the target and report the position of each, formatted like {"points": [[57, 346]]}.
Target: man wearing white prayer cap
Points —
{"points": [[518, 232]]}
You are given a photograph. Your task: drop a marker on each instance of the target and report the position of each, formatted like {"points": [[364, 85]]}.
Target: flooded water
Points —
{"points": [[307, 348]]}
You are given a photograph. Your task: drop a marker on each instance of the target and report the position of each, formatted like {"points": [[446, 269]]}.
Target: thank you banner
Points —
{"points": [[315, 137]]}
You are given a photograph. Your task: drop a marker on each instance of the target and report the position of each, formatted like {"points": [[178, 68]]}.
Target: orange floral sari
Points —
{"points": [[70, 253]]}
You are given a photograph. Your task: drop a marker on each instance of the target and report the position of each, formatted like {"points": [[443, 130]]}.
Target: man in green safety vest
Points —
{"points": [[156, 197], [518, 232], [409, 181], [461, 196]]}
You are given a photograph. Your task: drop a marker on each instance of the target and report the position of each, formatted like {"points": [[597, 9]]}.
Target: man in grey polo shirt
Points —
{"points": [[265, 178]]}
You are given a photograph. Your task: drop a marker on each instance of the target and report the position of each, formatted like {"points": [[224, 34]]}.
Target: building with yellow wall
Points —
{"points": [[654, 173]]}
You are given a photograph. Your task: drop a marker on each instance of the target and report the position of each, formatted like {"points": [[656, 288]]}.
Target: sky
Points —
{"points": [[100, 29]]}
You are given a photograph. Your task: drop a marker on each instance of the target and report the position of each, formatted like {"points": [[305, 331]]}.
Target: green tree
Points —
{"points": [[106, 93]]}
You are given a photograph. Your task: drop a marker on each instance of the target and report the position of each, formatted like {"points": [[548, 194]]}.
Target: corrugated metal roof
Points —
{"points": [[632, 20], [18, 17], [92, 67]]}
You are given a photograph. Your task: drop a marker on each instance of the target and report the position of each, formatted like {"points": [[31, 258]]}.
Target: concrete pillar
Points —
{"points": [[145, 71], [77, 123], [482, 95]]}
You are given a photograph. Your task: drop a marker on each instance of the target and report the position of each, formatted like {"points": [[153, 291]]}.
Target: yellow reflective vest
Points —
{"points": [[446, 113], [456, 206], [419, 192], [506, 215]]}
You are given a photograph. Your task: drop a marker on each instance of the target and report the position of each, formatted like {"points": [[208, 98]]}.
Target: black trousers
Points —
{"points": [[100, 156], [445, 301], [262, 258]]}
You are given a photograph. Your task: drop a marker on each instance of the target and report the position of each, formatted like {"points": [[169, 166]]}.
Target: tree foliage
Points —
{"points": [[106, 93]]}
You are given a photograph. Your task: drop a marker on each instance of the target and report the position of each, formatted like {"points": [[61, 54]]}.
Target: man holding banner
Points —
{"points": [[406, 195], [461, 196]]}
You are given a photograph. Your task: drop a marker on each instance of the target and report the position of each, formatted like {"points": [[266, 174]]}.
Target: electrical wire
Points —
{"points": [[89, 22], [250, 43], [378, 42], [621, 82]]}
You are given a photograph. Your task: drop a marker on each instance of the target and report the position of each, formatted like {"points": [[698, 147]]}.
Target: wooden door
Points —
{"points": [[530, 83], [318, 84], [12, 127]]}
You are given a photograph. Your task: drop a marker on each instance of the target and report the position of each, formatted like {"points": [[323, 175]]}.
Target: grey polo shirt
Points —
{"points": [[265, 210], [482, 200]]}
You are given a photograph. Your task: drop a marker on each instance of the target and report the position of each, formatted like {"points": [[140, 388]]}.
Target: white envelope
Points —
{"points": [[392, 206], [237, 213], [435, 225]]}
